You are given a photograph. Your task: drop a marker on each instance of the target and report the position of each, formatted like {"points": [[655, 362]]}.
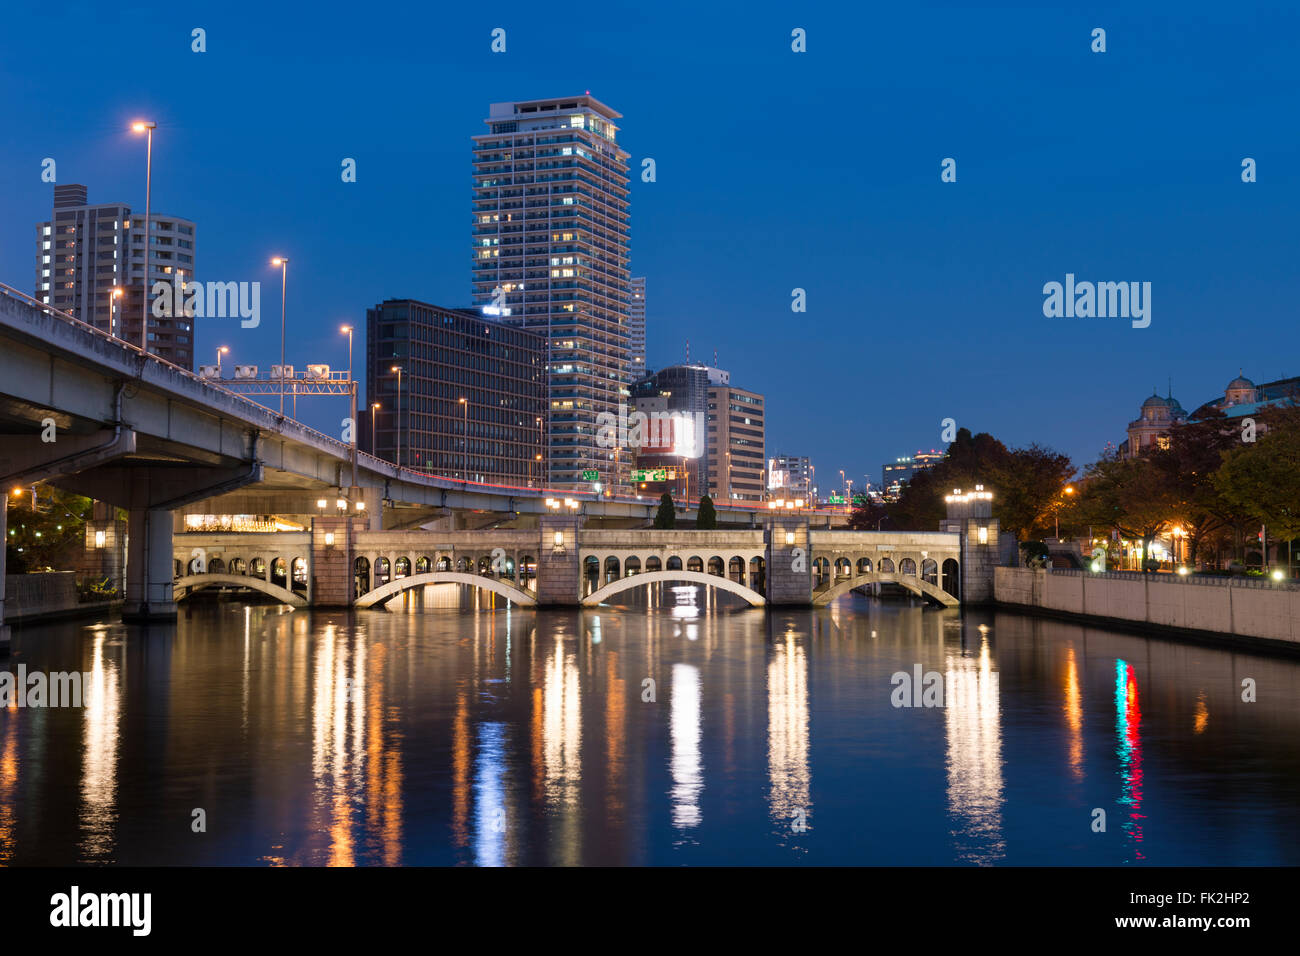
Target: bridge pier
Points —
{"points": [[559, 568], [150, 493], [149, 566], [789, 561], [331, 574]]}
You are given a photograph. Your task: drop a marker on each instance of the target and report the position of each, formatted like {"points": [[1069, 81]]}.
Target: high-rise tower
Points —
{"points": [[86, 251], [551, 254]]}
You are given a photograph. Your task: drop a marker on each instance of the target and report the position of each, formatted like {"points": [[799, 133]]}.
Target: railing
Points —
{"points": [[1240, 581], [403, 472]]}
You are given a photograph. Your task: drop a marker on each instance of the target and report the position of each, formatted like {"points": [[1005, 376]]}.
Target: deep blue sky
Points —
{"points": [[776, 170]]}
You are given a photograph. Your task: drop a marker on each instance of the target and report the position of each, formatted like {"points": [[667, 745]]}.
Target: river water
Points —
{"points": [[257, 735]]}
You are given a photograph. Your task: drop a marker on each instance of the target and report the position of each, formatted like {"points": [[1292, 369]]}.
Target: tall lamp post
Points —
{"points": [[282, 263], [114, 294], [352, 405], [373, 408], [397, 421], [141, 126], [1069, 490], [222, 350]]}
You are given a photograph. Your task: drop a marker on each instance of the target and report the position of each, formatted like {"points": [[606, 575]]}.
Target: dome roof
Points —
{"points": [[1155, 401], [1241, 382]]}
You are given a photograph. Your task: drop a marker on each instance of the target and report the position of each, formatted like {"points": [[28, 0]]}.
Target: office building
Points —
{"points": [[735, 446], [85, 251], [472, 393], [894, 475], [636, 329], [676, 401], [790, 476], [550, 207]]}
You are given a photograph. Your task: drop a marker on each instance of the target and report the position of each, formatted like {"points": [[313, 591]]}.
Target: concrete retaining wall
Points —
{"points": [[1215, 606], [35, 595]]}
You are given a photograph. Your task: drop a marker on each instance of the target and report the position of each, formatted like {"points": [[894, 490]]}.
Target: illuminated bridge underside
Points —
{"points": [[385, 591], [186, 586], [753, 598], [921, 588]]}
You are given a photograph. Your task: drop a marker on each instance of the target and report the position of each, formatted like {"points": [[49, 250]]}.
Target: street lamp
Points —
{"points": [[372, 427], [465, 436], [282, 262], [352, 404], [141, 126], [397, 424], [1069, 490], [222, 350], [115, 293]]}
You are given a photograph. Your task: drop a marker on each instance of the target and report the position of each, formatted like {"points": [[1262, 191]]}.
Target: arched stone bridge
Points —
{"points": [[341, 563]]}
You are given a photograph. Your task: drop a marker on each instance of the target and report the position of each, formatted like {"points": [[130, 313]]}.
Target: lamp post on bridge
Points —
{"points": [[397, 422], [374, 406], [142, 126], [283, 263], [115, 293], [352, 405]]}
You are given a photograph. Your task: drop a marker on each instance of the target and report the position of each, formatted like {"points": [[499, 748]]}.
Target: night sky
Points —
{"points": [[776, 170]]}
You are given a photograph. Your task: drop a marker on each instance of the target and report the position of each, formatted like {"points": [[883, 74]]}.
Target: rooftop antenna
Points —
{"points": [[715, 358], [688, 351]]}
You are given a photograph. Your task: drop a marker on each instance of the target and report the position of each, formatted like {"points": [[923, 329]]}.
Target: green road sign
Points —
{"points": [[591, 476], [649, 474]]}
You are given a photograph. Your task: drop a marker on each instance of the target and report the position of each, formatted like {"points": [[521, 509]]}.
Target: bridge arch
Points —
{"points": [[186, 586], [753, 598], [917, 586], [385, 591]]}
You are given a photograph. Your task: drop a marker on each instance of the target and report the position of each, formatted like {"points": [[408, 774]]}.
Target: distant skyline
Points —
{"points": [[775, 171]]}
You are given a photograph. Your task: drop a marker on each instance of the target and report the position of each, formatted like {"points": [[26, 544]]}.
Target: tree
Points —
{"points": [[1134, 495], [1195, 452], [51, 535], [1262, 478], [867, 514], [707, 519], [666, 518], [1029, 489], [1026, 484]]}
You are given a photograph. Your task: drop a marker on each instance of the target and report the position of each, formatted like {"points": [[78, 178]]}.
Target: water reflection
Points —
{"points": [[687, 762], [1128, 732], [102, 710], [974, 734], [509, 737], [788, 733]]}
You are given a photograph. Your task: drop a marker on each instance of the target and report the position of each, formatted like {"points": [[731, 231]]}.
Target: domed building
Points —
{"points": [[1240, 391], [1242, 398], [1157, 417]]}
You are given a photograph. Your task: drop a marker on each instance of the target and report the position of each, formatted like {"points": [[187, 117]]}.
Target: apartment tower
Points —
{"points": [[85, 252], [550, 254]]}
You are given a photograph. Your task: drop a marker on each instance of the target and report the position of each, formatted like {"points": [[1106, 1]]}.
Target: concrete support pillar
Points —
{"points": [[149, 566], [789, 561], [331, 570], [559, 571], [374, 499]]}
